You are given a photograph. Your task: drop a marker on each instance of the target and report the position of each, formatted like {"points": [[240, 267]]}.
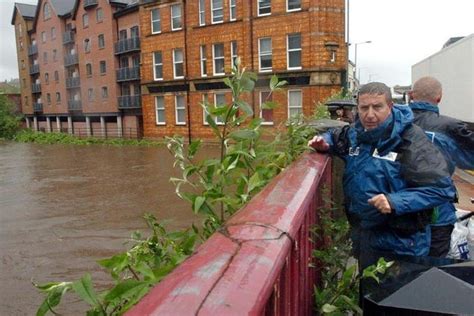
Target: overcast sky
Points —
{"points": [[403, 32]]}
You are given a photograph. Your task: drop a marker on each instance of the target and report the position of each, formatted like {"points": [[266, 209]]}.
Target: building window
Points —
{"points": [[101, 40], [233, 52], [266, 114], [203, 61], [105, 92], [178, 69], [26, 100], [155, 21], [233, 10], [219, 100], [58, 97], [43, 37], [103, 67], [122, 34], [45, 57], [46, 78], [202, 12], [85, 20], [293, 5], [46, 11], [55, 55], [294, 51], [90, 94], [265, 54], [23, 64], [48, 98], [218, 59], [264, 7], [89, 70], [180, 110], [56, 76], [99, 15], [176, 17], [158, 66], [87, 45], [53, 33], [160, 110], [134, 32], [295, 104], [20, 30], [217, 11]]}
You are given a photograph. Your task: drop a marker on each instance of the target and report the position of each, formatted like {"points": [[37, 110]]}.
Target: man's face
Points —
{"points": [[373, 110]]}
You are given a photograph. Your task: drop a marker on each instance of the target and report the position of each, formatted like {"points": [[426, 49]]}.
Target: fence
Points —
{"points": [[259, 262], [127, 133]]}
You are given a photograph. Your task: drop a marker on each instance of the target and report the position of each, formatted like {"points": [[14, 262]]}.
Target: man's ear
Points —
{"points": [[438, 99]]}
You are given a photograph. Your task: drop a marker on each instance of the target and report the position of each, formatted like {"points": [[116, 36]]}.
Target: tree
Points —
{"points": [[9, 122]]}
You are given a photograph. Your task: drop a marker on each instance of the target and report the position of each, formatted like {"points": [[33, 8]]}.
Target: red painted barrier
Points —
{"points": [[258, 264]]}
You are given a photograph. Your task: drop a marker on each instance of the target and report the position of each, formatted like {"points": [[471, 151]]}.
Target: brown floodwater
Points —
{"points": [[62, 207]]}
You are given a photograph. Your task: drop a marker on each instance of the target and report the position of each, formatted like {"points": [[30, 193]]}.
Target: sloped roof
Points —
{"points": [[26, 10], [62, 7], [452, 40]]}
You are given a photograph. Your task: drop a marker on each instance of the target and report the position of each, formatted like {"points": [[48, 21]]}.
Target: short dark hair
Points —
{"points": [[376, 88]]}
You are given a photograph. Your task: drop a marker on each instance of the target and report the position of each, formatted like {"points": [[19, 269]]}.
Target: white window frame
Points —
{"points": [[295, 107], [157, 64], [260, 55], [202, 12], [218, 122], [288, 51], [260, 106], [232, 5], [158, 122], [177, 62], [203, 58], [233, 53], [204, 99], [214, 59], [215, 9], [292, 10], [176, 108], [180, 16], [153, 31], [259, 8]]}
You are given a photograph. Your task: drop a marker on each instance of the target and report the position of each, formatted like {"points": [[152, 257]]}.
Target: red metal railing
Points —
{"points": [[259, 263]]}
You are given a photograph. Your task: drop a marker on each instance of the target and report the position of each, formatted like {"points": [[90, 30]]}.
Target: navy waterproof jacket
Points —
{"points": [[398, 160], [453, 138]]}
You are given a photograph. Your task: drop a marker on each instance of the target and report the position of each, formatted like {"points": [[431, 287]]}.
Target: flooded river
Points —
{"points": [[62, 207]]}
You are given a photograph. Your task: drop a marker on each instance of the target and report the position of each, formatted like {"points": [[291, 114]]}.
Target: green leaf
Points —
{"points": [[193, 147], [254, 182], [244, 106], [198, 202], [243, 134], [328, 308], [269, 105], [273, 82], [85, 290], [125, 289], [352, 304], [53, 298]]}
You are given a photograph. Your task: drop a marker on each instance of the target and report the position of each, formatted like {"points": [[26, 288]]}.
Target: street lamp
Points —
{"points": [[355, 54]]}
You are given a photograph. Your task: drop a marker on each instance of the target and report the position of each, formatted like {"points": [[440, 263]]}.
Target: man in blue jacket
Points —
{"points": [[454, 139], [393, 175]]}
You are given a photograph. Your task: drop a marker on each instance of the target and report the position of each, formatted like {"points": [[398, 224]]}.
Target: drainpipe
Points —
{"points": [[186, 80], [251, 51]]}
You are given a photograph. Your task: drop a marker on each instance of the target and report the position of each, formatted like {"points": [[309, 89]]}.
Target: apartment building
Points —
{"points": [[73, 78], [188, 47]]}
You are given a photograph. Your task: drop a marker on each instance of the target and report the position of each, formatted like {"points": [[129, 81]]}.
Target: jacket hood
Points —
{"points": [[424, 106]]}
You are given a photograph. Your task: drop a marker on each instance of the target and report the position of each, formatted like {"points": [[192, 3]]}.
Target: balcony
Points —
{"points": [[89, 3], [36, 88], [73, 82], [33, 50], [127, 74], [129, 102], [35, 69], [71, 59], [38, 107], [127, 45], [68, 37], [74, 105]]}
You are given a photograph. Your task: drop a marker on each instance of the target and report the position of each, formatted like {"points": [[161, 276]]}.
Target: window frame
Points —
{"points": [[213, 21], [87, 45], [177, 62], [58, 97], [97, 15], [102, 62], [232, 5], [53, 33], [85, 20], [272, 122], [203, 60], [153, 31], [233, 53], [157, 122], [288, 52], [292, 10], [155, 64], [183, 108], [216, 94], [104, 92], [89, 69], [90, 94], [99, 41], [173, 28], [260, 55], [214, 58], [202, 12], [260, 8], [46, 12], [294, 107]]}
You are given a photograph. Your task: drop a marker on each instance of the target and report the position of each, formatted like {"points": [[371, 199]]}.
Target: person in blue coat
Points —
{"points": [[393, 176], [454, 139]]}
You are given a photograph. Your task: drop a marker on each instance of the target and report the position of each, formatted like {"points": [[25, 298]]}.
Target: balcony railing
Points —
{"points": [[38, 107], [129, 102], [126, 74], [33, 50], [36, 88], [68, 37], [73, 82], [34, 69], [127, 45], [71, 59], [74, 105], [89, 3]]}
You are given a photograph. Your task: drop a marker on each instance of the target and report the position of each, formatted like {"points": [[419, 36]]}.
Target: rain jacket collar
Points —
{"points": [[424, 106]]}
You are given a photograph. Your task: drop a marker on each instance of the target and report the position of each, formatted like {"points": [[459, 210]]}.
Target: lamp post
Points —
{"points": [[355, 54]]}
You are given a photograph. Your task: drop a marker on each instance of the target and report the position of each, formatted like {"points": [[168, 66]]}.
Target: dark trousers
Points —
{"points": [[440, 240]]}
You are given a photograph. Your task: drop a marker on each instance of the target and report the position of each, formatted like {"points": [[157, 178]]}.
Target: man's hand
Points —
{"points": [[319, 144], [380, 202]]}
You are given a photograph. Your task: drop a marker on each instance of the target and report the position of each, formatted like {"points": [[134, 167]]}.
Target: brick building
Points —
{"points": [[188, 48], [70, 67]]}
